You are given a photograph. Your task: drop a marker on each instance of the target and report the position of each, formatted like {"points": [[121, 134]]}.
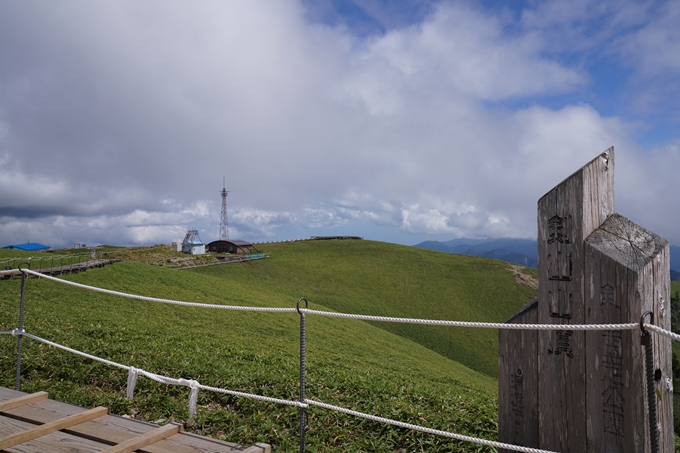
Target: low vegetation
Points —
{"points": [[382, 279], [159, 255], [350, 363], [675, 321], [442, 378]]}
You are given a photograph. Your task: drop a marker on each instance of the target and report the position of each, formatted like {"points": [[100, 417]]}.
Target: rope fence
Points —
{"points": [[304, 403], [38, 258], [40, 261], [133, 373], [155, 299], [436, 432], [430, 322]]}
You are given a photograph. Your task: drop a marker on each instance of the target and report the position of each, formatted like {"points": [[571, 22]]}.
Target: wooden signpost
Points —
{"points": [[585, 391]]}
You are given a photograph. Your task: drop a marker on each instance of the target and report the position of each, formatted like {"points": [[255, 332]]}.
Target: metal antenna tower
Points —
{"points": [[224, 224]]}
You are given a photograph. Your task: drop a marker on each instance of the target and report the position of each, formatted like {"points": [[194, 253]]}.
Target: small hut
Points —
{"points": [[235, 247], [192, 243]]}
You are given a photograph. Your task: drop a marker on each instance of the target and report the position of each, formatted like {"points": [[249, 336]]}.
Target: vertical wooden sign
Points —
{"points": [[517, 381], [628, 274], [566, 216], [595, 267]]}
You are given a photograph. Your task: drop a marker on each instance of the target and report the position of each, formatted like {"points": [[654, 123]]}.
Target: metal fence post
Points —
{"points": [[646, 341], [303, 411], [20, 337]]}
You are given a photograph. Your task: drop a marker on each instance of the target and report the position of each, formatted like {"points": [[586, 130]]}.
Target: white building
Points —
{"points": [[193, 244]]}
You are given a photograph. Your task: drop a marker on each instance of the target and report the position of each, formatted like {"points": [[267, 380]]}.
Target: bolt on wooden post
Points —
{"points": [[576, 391]]}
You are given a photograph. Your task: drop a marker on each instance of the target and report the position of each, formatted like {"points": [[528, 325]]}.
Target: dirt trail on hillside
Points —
{"points": [[523, 279]]}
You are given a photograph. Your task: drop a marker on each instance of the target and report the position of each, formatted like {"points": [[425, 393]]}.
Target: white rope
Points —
{"points": [[432, 322], [483, 325], [436, 322], [74, 351], [194, 385], [661, 331], [193, 397], [26, 259], [155, 299], [255, 397], [191, 383], [8, 272], [133, 373], [131, 382], [437, 432]]}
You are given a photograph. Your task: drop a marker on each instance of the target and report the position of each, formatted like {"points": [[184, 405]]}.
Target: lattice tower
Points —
{"points": [[224, 224]]}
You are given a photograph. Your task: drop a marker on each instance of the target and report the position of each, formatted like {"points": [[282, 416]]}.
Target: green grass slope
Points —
{"points": [[675, 290], [350, 363], [377, 278]]}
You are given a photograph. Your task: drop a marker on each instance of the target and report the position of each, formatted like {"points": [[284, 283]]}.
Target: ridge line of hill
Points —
{"points": [[519, 251]]}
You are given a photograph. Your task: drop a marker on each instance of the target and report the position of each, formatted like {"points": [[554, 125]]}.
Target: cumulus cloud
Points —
{"points": [[466, 53], [119, 120], [656, 44]]}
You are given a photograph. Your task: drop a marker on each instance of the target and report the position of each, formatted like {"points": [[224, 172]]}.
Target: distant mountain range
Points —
{"points": [[520, 251]]}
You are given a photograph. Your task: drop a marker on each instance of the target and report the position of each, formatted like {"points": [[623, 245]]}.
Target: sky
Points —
{"points": [[395, 121]]}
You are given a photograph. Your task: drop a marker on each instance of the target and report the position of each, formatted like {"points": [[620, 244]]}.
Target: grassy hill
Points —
{"points": [[377, 278], [350, 363]]}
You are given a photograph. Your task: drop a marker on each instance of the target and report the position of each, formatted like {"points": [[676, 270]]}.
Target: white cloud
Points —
{"points": [[581, 25], [136, 228], [649, 186], [119, 120], [656, 45], [457, 53]]}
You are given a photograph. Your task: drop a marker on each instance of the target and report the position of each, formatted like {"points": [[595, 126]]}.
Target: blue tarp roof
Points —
{"points": [[30, 246]]}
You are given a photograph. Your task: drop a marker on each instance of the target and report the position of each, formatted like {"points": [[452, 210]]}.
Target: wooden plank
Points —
{"points": [[629, 275], [259, 448], [22, 401], [59, 269], [661, 296], [193, 443], [517, 381], [615, 403], [566, 216], [560, 358], [145, 439], [114, 429], [51, 427], [56, 442]]}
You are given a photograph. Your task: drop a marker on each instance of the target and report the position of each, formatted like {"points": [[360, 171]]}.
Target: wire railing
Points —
{"points": [[303, 403], [45, 261]]}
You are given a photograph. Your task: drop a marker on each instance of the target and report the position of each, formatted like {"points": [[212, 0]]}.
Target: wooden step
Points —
{"points": [[32, 423]]}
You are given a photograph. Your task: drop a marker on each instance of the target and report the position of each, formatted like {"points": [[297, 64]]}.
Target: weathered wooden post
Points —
{"points": [[517, 380], [595, 267]]}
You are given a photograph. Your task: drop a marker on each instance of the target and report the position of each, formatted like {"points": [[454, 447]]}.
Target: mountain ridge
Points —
{"points": [[518, 251]]}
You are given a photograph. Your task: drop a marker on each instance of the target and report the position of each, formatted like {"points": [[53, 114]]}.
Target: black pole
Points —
{"points": [[17, 382], [303, 341], [646, 341]]}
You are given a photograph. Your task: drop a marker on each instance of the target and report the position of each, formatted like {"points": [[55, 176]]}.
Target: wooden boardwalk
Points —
{"points": [[32, 423], [59, 270]]}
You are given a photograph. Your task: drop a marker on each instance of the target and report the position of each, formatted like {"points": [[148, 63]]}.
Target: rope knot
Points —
{"points": [[194, 385], [132, 381], [16, 332]]}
